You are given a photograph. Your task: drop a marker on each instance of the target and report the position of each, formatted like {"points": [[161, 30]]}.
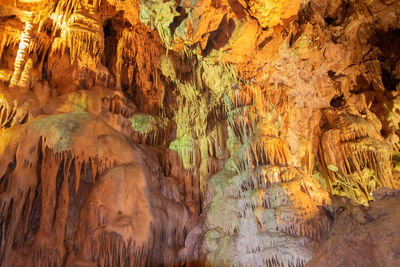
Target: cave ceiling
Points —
{"points": [[199, 133]]}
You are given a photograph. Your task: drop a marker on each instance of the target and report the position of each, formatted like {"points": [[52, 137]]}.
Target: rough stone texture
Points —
{"points": [[78, 192], [204, 132], [364, 236]]}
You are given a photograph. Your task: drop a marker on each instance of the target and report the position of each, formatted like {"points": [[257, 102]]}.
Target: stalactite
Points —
{"points": [[14, 113], [54, 195], [360, 157], [82, 42], [8, 36], [66, 177], [7, 113], [42, 43], [26, 75], [118, 105], [23, 48], [267, 188], [233, 97]]}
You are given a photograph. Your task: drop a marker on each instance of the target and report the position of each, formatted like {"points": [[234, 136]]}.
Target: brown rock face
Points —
{"points": [[211, 133], [62, 205], [364, 236]]}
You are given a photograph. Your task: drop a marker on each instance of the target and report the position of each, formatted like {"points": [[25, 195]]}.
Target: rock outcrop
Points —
{"points": [[364, 236]]}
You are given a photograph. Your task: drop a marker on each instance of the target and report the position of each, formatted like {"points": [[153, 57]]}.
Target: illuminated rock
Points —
{"points": [[90, 198], [201, 132]]}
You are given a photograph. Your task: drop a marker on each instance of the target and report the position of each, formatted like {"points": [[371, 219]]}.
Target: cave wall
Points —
{"points": [[223, 133]]}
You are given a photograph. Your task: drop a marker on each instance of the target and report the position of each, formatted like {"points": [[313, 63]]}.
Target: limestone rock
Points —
{"points": [[203, 132]]}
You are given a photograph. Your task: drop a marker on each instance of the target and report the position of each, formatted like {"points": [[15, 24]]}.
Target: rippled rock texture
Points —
{"points": [[203, 132]]}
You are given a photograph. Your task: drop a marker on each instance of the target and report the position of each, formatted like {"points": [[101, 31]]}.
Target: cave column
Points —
{"points": [[21, 57]]}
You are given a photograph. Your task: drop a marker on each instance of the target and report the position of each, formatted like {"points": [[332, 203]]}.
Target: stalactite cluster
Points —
{"points": [[199, 133], [364, 162], [261, 182], [68, 187]]}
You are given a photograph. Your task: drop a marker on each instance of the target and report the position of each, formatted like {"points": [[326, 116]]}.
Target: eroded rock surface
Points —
{"points": [[364, 236], [77, 185]]}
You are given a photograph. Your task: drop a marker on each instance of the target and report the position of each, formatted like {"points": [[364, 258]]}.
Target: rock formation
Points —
{"points": [[199, 133]]}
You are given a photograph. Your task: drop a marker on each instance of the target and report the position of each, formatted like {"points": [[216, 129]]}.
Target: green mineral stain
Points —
{"points": [[185, 147], [142, 123], [356, 186], [182, 143], [145, 123], [79, 103], [61, 128], [159, 14], [321, 180], [396, 160], [333, 168]]}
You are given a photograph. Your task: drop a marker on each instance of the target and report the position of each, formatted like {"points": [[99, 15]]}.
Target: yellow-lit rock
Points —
{"points": [[270, 13], [199, 133]]}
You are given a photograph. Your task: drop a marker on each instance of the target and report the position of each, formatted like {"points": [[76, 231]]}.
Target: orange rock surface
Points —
{"points": [[199, 133]]}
